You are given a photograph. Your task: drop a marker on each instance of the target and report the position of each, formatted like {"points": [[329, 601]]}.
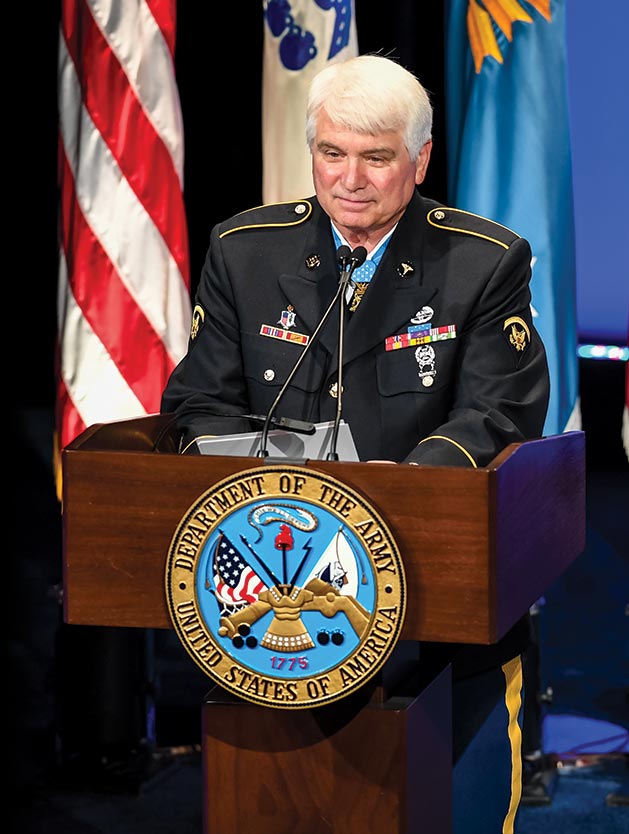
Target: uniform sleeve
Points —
{"points": [[207, 389], [501, 385]]}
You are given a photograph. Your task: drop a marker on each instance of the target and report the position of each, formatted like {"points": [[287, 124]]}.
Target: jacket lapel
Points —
{"points": [[397, 290], [312, 286]]}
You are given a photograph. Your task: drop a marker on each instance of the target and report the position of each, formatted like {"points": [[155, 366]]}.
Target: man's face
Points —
{"points": [[363, 181]]}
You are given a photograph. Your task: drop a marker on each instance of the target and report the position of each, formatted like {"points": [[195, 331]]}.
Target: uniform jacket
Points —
{"points": [[455, 400]]}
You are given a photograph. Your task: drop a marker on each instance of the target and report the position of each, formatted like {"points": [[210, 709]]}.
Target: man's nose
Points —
{"points": [[354, 174]]}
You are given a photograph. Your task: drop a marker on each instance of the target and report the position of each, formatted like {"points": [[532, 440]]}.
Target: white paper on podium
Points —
{"points": [[283, 444]]}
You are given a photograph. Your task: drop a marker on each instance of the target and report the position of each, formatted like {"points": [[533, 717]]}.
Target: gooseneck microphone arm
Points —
{"points": [[343, 255], [356, 259]]}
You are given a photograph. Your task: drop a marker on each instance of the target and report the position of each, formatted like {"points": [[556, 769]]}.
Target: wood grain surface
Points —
{"points": [[479, 546]]}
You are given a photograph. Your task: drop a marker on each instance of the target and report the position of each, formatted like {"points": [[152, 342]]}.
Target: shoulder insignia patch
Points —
{"points": [[198, 320], [457, 220], [276, 215], [517, 334]]}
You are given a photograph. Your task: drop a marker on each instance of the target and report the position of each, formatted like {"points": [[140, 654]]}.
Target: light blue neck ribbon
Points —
{"points": [[365, 273]]}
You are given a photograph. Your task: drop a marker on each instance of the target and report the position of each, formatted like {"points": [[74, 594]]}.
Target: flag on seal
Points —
{"points": [[235, 580]]}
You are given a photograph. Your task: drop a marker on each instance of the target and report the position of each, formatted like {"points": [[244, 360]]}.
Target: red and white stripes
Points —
{"points": [[124, 283]]}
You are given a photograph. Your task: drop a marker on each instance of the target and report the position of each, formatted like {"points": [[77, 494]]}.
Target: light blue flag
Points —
{"points": [[509, 158], [301, 37]]}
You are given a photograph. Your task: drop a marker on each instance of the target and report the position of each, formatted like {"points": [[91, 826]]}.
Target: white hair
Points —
{"points": [[371, 94]]}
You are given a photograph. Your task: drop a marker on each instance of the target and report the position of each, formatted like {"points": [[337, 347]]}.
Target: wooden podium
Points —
{"points": [[479, 546]]}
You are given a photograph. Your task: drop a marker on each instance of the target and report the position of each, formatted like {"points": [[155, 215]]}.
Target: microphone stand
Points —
{"points": [[343, 255], [356, 259]]}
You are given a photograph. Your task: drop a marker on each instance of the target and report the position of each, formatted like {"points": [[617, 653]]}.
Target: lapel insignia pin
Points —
{"points": [[405, 269], [313, 261]]}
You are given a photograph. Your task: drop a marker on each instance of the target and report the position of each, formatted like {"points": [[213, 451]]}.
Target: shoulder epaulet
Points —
{"points": [[267, 216], [457, 220]]}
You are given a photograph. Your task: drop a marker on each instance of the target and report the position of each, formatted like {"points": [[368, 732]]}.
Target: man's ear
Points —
{"points": [[422, 163]]}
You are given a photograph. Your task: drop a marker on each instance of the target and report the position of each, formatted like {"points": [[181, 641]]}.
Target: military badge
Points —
{"points": [[198, 319], [359, 291], [284, 334], [285, 587], [425, 358], [517, 334], [420, 334], [423, 315], [287, 319], [405, 269]]}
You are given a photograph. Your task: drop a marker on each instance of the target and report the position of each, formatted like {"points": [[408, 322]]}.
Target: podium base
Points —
{"points": [[358, 766]]}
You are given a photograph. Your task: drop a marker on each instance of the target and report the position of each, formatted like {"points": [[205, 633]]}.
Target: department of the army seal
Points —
{"points": [[285, 587]]}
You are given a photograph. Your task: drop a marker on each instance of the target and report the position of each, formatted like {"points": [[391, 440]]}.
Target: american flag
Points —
{"points": [[124, 283], [234, 578]]}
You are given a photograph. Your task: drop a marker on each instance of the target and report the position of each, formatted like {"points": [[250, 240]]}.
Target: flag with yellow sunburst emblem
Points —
{"points": [[509, 157]]}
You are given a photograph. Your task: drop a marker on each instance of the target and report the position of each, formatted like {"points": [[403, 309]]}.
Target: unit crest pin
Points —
{"points": [[287, 319]]}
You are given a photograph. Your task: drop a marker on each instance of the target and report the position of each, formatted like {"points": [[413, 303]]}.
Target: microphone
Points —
{"points": [[352, 261], [343, 254], [344, 257], [357, 258]]}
